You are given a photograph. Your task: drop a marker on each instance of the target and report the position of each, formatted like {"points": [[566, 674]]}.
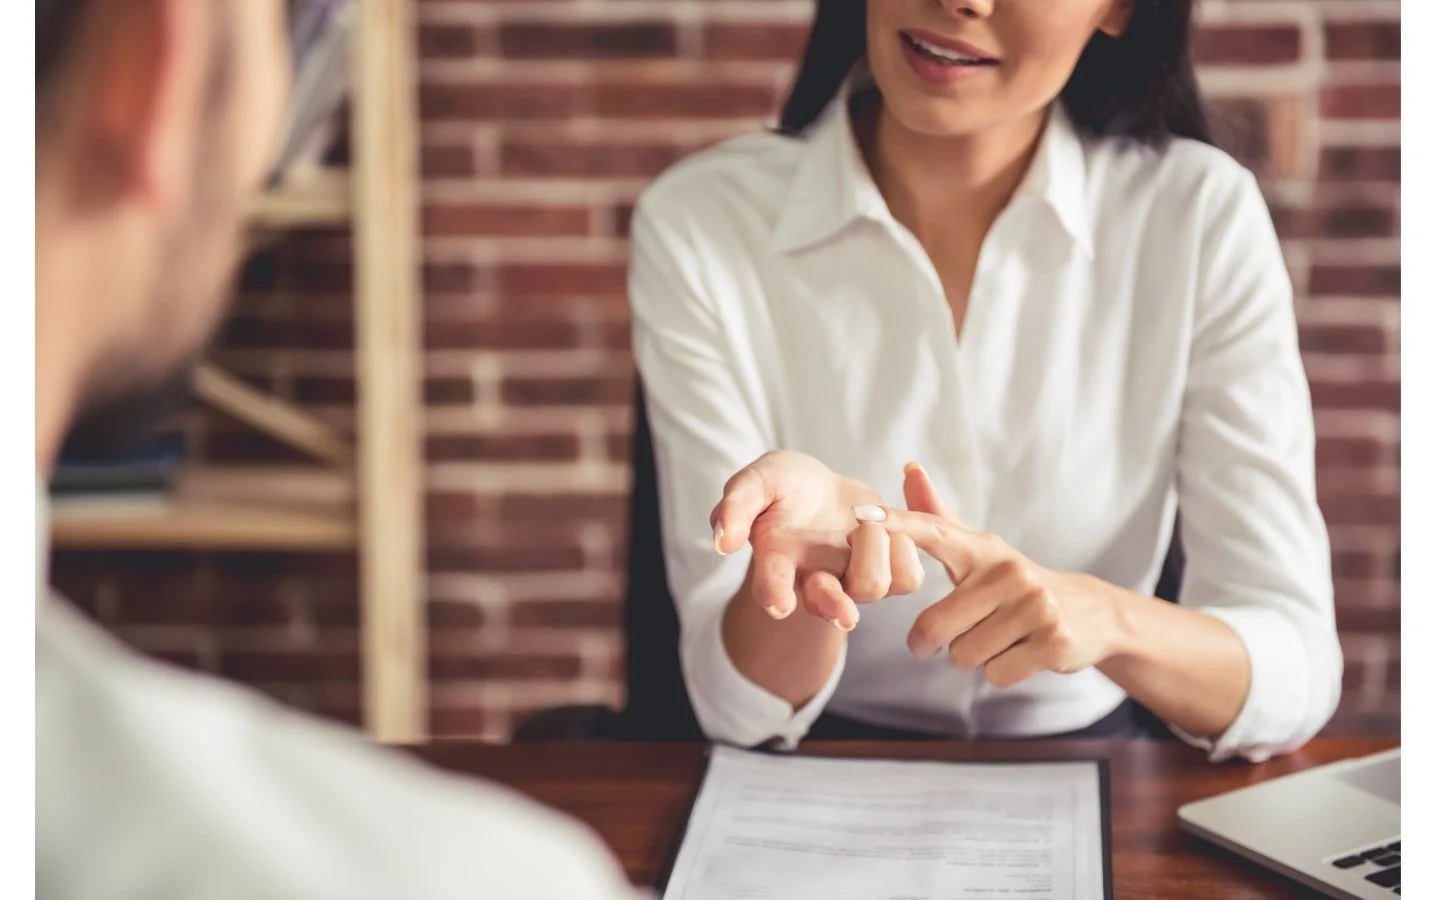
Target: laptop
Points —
{"points": [[1335, 828]]}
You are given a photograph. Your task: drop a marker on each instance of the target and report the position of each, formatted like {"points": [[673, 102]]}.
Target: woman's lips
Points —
{"points": [[942, 61]]}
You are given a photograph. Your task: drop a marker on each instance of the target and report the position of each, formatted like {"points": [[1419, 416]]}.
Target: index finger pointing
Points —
{"points": [[953, 545]]}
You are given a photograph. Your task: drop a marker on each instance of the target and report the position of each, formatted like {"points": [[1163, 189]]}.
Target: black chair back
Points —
{"points": [[658, 707]]}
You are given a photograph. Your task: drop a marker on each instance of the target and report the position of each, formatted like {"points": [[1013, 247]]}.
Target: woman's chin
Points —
{"points": [[936, 118]]}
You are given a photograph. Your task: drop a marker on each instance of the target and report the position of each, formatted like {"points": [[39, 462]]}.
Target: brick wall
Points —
{"points": [[542, 121]]}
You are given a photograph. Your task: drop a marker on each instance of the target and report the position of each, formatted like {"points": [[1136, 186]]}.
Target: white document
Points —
{"points": [[769, 827]]}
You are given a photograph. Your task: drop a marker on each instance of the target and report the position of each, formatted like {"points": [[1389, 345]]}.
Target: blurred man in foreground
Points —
{"points": [[155, 119]]}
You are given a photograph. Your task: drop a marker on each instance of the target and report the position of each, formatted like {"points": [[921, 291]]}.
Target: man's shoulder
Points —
{"points": [[273, 802]]}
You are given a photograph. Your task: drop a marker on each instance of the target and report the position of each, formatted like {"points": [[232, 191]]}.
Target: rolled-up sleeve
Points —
{"points": [[709, 418], [1258, 555]]}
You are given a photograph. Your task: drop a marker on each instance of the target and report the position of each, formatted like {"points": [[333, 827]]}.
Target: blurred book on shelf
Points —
{"points": [[143, 477], [319, 32]]}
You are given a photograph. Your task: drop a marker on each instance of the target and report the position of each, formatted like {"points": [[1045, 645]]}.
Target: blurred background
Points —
{"points": [[540, 121]]}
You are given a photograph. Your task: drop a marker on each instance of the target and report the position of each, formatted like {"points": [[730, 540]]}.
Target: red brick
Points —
{"points": [[449, 720], [1357, 395], [231, 444], [1247, 45], [571, 279], [454, 615], [1242, 127], [1361, 101], [545, 447], [165, 599], [263, 333], [616, 336], [567, 41], [466, 663], [1343, 339], [447, 41], [582, 614], [1363, 40], [318, 389], [619, 447], [450, 508], [448, 391], [702, 100], [184, 658], [552, 556], [324, 276], [447, 161], [345, 710], [454, 219], [455, 278], [1355, 564], [1351, 619], [516, 333], [579, 391], [308, 665], [1361, 164], [1351, 451], [1357, 281], [611, 507], [588, 159], [481, 101], [1336, 219], [780, 41], [1361, 509]]}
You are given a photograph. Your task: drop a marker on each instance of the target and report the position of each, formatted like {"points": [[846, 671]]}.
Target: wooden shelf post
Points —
{"points": [[389, 343]]}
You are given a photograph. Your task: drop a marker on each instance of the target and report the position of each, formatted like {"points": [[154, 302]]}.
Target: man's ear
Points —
{"points": [[1118, 17], [141, 106]]}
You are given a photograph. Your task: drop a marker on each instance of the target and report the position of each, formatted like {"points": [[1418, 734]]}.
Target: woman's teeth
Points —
{"points": [[942, 54]]}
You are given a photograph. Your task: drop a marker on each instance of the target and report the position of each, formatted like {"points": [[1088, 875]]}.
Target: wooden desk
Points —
{"points": [[636, 796]]}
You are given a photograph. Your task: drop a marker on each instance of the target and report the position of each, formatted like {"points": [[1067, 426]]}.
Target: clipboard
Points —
{"points": [[1104, 796]]}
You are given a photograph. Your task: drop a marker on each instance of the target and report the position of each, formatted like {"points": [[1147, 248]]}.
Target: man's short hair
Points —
{"points": [[56, 24]]}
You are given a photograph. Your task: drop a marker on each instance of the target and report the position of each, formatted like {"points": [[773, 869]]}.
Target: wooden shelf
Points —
{"points": [[323, 198], [221, 509]]}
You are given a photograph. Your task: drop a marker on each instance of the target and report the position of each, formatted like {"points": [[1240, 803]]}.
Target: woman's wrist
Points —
{"points": [[1119, 611]]}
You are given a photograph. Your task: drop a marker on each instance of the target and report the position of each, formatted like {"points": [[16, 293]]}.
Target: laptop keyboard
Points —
{"points": [[1380, 865]]}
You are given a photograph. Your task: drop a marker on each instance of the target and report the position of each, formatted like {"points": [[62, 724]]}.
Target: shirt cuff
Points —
{"points": [[732, 709], [1273, 716]]}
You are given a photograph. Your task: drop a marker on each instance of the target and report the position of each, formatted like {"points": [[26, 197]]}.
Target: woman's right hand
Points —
{"points": [[808, 546]]}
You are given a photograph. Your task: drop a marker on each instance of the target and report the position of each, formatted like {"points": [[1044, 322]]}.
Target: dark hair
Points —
{"points": [[57, 27], [57, 23], [1141, 85]]}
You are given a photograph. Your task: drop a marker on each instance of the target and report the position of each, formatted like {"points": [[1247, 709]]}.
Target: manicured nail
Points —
{"points": [[777, 613], [718, 536], [912, 468], [870, 513], [836, 623]]}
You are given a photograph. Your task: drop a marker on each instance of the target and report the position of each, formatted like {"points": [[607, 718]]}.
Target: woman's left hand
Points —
{"points": [[1006, 615]]}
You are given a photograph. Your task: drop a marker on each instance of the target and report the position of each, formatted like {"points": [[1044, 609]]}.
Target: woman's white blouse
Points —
{"points": [[1130, 351]]}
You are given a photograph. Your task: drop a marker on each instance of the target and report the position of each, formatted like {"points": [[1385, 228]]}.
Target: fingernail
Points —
{"points": [[922, 651], [836, 623], [870, 513], [718, 536], [912, 468], [777, 613]]}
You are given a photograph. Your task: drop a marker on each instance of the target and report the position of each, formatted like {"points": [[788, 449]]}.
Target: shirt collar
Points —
{"points": [[1058, 177], [832, 186]]}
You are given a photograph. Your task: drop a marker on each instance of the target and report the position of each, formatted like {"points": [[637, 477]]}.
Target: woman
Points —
{"points": [[992, 236]]}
